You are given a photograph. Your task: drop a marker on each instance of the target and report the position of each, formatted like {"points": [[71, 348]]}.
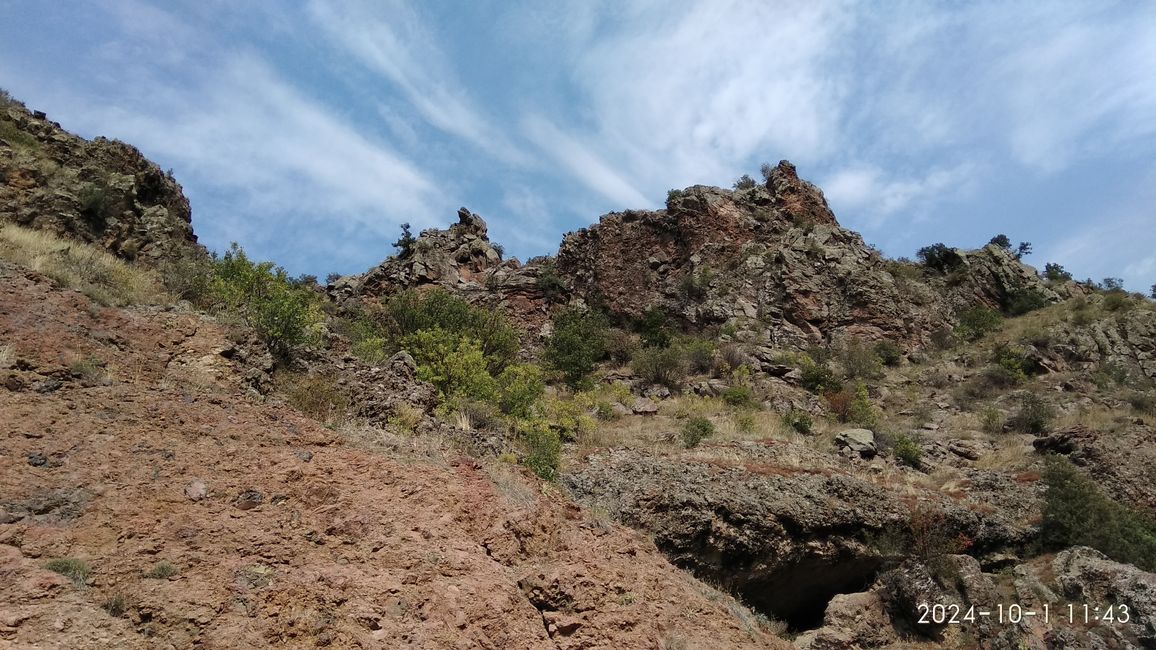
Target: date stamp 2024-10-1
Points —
{"points": [[1014, 614]]}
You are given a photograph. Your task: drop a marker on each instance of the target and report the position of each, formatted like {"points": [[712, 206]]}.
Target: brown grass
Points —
{"points": [[83, 267]]}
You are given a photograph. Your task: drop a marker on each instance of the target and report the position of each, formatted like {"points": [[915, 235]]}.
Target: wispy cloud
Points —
{"points": [[877, 195], [392, 40]]}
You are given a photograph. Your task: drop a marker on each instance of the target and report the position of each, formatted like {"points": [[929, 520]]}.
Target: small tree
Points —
{"points": [[404, 244], [1152, 295], [745, 182], [1025, 248], [1112, 284], [938, 257], [1055, 273], [578, 342], [1002, 241]]}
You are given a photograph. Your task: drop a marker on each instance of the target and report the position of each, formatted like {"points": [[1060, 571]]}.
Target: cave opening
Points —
{"points": [[798, 594]]}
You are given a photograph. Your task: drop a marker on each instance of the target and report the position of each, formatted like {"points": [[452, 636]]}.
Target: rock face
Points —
{"points": [[1086, 576], [786, 540], [772, 262], [100, 191], [460, 259]]}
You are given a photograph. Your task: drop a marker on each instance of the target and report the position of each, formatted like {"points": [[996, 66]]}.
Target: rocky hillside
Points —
{"points": [[730, 423], [100, 191]]}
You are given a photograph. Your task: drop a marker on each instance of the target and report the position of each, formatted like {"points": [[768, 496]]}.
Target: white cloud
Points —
{"points": [[580, 160], [869, 191], [392, 40]]}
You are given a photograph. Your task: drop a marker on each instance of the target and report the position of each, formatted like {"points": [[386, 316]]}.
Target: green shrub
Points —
{"points": [[1034, 415], [860, 361], [798, 421], [744, 182], [938, 257], [315, 395], [665, 366], [570, 418], [739, 396], [162, 571], [1077, 513], [577, 344], [543, 450], [1015, 361], [283, 314], [621, 346], [889, 353], [699, 354], [695, 430], [976, 322], [520, 386], [115, 605], [1117, 301], [1055, 273], [188, 277], [654, 328], [1022, 301], [991, 420], [549, 283], [455, 365], [907, 450], [72, 568], [412, 311], [1143, 402], [817, 377], [853, 406]]}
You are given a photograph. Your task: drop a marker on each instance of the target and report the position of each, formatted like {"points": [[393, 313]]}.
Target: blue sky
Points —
{"points": [[309, 131]]}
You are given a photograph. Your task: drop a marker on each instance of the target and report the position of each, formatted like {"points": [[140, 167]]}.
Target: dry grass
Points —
{"points": [[1093, 416], [317, 396], [83, 267], [511, 483], [1011, 454], [430, 447], [7, 357]]}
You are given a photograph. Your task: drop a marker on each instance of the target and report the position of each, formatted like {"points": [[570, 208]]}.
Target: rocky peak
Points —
{"points": [[100, 191]]}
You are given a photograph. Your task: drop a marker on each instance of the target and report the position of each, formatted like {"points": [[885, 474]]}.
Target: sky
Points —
{"points": [[309, 131]]}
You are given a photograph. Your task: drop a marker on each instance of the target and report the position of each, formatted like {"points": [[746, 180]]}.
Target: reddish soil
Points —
{"points": [[343, 546]]}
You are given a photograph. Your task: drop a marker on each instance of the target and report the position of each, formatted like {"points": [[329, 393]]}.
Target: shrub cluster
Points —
{"points": [[976, 322], [1034, 415], [578, 343], [1076, 512], [695, 430]]}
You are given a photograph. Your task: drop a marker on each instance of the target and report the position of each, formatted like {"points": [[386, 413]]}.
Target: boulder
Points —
{"points": [[857, 441]]}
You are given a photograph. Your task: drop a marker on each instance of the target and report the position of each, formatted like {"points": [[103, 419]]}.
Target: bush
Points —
{"points": [[728, 359], [549, 283], [695, 430], [520, 386], [188, 277], [977, 322], [1077, 513], [907, 450], [621, 346], [889, 353], [744, 182], [817, 377], [543, 450], [1143, 402], [456, 366], [317, 396], [163, 571], [1055, 273], [284, 315], [577, 344], [739, 396], [665, 366], [860, 361], [699, 354], [1022, 301], [1117, 301], [569, 418], [798, 421], [1034, 415], [654, 328], [852, 406], [939, 257], [412, 311], [991, 420]]}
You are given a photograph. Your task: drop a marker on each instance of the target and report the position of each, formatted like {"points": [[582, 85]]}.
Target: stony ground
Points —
{"points": [[128, 445]]}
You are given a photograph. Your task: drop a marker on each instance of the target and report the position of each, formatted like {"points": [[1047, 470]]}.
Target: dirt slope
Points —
{"points": [[126, 442]]}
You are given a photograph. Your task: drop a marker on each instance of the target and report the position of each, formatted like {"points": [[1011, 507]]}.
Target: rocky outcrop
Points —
{"points": [[1087, 577], [100, 191], [783, 537]]}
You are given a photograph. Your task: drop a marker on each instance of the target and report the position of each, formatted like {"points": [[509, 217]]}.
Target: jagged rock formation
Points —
{"points": [[772, 262], [100, 191], [460, 259]]}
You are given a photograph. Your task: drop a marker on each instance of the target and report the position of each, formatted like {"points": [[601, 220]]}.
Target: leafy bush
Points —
{"points": [[1117, 301], [412, 311], [453, 364], [728, 359], [404, 244], [666, 366], [695, 430], [1034, 415], [817, 377], [860, 361], [577, 344], [283, 314], [889, 353], [550, 283], [744, 182], [654, 328], [1143, 402], [798, 421], [621, 345], [543, 450], [520, 386], [569, 418], [163, 571], [1055, 273], [938, 257], [739, 396], [907, 450], [976, 322], [991, 420], [1002, 241], [852, 406], [317, 396], [1077, 513], [699, 354], [1022, 301]]}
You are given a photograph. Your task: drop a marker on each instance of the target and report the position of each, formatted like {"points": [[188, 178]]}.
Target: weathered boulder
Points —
{"points": [[860, 442]]}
